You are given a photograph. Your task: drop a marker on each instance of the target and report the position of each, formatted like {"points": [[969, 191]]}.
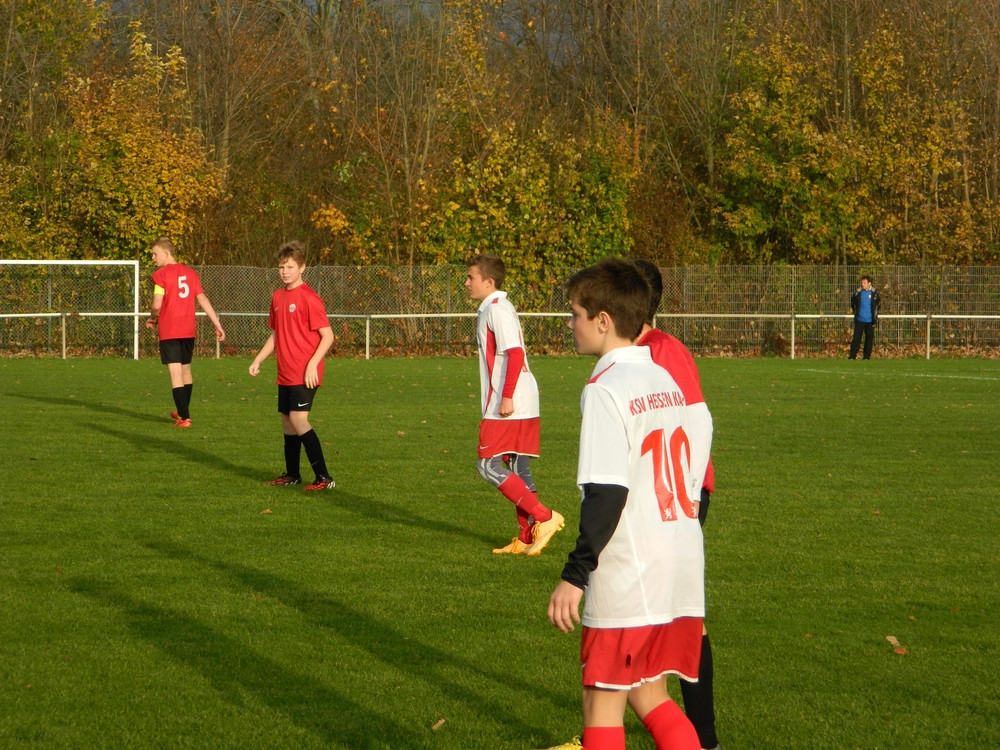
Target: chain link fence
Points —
{"points": [[383, 311]]}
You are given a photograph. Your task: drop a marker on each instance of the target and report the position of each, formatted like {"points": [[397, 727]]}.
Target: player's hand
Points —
{"points": [[150, 323], [312, 376], [564, 606], [220, 334], [506, 407], [254, 368]]}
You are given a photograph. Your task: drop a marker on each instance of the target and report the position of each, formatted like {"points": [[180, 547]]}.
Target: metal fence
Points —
{"points": [[380, 311]]}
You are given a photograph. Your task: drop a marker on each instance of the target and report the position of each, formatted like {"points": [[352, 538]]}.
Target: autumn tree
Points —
{"points": [[137, 167], [913, 133], [546, 203], [783, 191], [42, 44]]}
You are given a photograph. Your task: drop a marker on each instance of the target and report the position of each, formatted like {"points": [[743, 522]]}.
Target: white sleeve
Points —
{"points": [[700, 428]]}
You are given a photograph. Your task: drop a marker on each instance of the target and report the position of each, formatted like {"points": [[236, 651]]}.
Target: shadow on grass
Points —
{"points": [[106, 408], [441, 671], [234, 671], [181, 450], [369, 509]]}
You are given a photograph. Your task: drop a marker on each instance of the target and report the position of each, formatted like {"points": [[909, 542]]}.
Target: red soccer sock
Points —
{"points": [[670, 728], [514, 489], [524, 526], [604, 738]]}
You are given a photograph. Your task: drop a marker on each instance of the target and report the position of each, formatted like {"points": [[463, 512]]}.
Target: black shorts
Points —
{"points": [[295, 398], [176, 350]]}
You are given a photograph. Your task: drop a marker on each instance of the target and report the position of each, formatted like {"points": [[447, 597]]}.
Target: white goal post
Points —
{"points": [[46, 307]]}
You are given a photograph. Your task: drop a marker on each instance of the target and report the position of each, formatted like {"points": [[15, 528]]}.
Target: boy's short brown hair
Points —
{"points": [[490, 267], [651, 272], [294, 250], [618, 288]]}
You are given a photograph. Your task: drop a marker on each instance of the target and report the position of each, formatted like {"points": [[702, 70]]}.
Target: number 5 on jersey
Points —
{"points": [[671, 467], [185, 290]]}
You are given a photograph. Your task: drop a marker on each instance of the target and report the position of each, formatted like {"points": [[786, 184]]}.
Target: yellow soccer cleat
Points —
{"points": [[542, 532], [516, 547], [573, 744]]}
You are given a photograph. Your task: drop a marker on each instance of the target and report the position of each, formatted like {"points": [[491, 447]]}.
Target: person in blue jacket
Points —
{"points": [[864, 305]]}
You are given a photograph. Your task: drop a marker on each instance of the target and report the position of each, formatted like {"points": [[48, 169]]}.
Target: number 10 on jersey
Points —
{"points": [[671, 468]]}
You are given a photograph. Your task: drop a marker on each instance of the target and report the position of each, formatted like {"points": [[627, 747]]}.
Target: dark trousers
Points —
{"points": [[868, 329]]}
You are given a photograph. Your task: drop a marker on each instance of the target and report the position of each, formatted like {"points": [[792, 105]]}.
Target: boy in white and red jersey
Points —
{"points": [[172, 314], [639, 555], [301, 335], [509, 430]]}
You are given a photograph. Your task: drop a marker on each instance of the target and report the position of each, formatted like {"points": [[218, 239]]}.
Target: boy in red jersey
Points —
{"points": [[509, 430], [639, 554], [172, 314], [674, 357], [301, 336]]}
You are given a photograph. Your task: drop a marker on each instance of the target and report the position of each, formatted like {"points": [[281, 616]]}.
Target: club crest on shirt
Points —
{"points": [[291, 308]]}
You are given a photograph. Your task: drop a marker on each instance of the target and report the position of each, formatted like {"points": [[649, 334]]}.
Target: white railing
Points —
{"points": [[792, 317], [929, 319]]}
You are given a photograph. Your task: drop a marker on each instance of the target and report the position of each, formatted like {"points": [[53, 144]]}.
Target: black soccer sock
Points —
{"points": [[699, 703], [293, 450], [314, 452], [182, 402]]}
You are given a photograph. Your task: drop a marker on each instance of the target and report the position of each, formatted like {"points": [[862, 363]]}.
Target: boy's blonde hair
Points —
{"points": [[616, 287], [164, 243]]}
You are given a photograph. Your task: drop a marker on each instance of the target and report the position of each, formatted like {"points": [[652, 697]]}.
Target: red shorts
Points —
{"points": [[500, 436], [625, 658]]}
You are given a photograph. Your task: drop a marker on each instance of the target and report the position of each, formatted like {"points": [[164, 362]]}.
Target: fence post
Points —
{"points": [[793, 335], [929, 316], [62, 324], [368, 336], [135, 320]]}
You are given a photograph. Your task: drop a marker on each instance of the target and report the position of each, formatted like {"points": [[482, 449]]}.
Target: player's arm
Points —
{"points": [[264, 353], [210, 312], [599, 515], [312, 369], [515, 361], [699, 432], [154, 308]]}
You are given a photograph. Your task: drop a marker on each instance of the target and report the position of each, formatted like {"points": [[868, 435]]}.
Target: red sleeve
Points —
{"points": [[670, 354], [708, 482], [271, 319], [515, 361], [317, 313]]}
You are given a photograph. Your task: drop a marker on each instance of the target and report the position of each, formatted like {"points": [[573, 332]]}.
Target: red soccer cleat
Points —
{"points": [[321, 483], [284, 479]]}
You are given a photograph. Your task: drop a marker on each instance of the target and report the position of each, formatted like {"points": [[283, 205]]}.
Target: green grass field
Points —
{"points": [[156, 594]]}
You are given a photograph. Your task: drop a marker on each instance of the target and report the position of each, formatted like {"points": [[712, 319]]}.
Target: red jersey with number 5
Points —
{"points": [[180, 286]]}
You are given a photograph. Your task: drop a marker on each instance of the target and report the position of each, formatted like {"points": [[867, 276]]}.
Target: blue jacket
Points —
{"points": [[856, 303]]}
